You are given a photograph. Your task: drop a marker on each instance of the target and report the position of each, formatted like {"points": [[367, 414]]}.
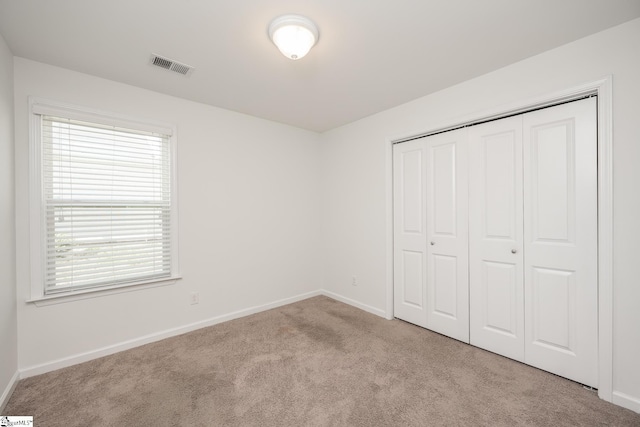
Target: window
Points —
{"points": [[106, 212]]}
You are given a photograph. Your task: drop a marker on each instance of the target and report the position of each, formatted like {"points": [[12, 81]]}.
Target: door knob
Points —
{"points": [[433, 243], [513, 251]]}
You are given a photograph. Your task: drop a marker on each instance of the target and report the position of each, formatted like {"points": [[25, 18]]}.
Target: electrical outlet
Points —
{"points": [[195, 298], [354, 281]]}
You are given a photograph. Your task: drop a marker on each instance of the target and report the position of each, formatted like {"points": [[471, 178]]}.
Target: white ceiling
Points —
{"points": [[372, 54]]}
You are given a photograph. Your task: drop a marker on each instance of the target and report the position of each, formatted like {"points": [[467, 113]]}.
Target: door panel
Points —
{"points": [[447, 234], [499, 168], [412, 279], [410, 239], [553, 308], [500, 308], [412, 188], [560, 196], [553, 183], [495, 237], [444, 295], [442, 201]]}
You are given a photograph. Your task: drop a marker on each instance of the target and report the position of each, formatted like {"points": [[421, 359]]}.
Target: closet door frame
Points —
{"points": [[603, 89]]}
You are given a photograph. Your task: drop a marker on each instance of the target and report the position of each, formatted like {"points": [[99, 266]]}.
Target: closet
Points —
{"points": [[495, 236]]}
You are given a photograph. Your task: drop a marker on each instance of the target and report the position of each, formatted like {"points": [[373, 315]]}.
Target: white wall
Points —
{"points": [[354, 194], [249, 219], [8, 319]]}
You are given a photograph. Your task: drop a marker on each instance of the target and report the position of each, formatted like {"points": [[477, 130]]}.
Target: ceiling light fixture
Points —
{"points": [[294, 35]]}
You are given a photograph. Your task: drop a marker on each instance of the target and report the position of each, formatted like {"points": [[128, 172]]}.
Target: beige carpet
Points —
{"points": [[315, 362]]}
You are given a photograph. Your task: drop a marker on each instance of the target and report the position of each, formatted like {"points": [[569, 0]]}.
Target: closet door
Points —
{"points": [[410, 231], [561, 292], [495, 237], [447, 234]]}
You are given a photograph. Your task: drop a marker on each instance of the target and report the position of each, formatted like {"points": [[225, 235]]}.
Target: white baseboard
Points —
{"points": [[8, 391], [354, 303], [626, 401], [157, 336]]}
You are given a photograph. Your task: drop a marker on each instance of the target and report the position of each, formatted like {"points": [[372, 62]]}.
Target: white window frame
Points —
{"points": [[39, 107]]}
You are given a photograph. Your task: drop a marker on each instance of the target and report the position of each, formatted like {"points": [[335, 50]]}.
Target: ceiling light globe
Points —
{"points": [[294, 35]]}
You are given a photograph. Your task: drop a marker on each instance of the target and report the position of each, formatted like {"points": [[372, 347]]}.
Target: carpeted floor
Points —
{"points": [[313, 363]]}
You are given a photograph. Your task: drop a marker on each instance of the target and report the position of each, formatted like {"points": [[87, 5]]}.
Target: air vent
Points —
{"points": [[171, 65]]}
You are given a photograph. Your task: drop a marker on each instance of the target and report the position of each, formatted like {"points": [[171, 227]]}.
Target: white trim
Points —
{"points": [[605, 238], [388, 155], [8, 391], [54, 108], [156, 336], [175, 203], [626, 401], [354, 303], [603, 88], [82, 294], [36, 210]]}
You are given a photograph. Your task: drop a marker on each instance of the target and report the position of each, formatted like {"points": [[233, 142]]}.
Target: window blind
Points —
{"points": [[107, 204]]}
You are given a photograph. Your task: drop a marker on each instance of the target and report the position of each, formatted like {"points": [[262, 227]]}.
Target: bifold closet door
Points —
{"points": [[495, 237], [431, 286], [533, 239], [447, 234], [560, 250], [409, 232]]}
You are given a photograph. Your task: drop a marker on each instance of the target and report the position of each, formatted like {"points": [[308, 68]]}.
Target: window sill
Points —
{"points": [[45, 300]]}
